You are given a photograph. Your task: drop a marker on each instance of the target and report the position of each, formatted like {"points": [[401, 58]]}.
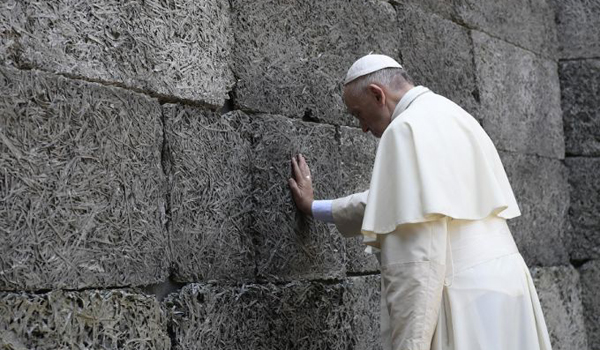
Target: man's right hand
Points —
{"points": [[301, 185]]}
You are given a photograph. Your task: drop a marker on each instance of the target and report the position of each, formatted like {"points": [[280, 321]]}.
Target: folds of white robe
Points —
{"points": [[489, 300], [458, 285], [434, 160], [413, 266]]}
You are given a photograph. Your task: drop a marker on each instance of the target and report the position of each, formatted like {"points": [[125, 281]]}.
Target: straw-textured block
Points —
{"points": [[297, 315], [541, 188], [527, 24], [91, 319], [558, 289], [450, 71], [210, 188], [590, 280], [177, 48], [578, 28], [289, 244], [580, 88], [291, 57], [584, 184], [520, 98], [82, 189]]}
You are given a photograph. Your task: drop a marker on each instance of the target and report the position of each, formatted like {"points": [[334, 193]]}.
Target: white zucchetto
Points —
{"points": [[369, 64]]}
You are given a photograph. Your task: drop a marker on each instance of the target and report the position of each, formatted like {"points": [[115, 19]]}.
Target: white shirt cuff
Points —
{"points": [[321, 210]]}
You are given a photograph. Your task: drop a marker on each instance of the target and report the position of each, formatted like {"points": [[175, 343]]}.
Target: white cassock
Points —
{"points": [[435, 215]]}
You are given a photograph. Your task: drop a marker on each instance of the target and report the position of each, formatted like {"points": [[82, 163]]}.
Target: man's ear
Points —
{"points": [[377, 93]]}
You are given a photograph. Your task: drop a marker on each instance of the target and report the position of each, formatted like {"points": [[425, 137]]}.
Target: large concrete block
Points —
{"points": [[438, 53], [291, 246], [298, 315], [520, 98], [178, 48], [82, 194], [291, 57], [585, 205], [578, 27], [362, 297], [559, 294], [207, 316], [540, 186], [92, 319], [358, 155], [527, 24], [580, 88], [210, 187], [590, 280]]}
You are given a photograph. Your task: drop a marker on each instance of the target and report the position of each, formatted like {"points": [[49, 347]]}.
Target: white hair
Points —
{"points": [[393, 78]]}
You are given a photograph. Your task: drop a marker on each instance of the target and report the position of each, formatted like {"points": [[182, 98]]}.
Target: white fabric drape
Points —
{"points": [[458, 285], [434, 160]]}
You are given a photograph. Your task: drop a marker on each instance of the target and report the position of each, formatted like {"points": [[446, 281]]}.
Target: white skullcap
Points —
{"points": [[369, 64]]}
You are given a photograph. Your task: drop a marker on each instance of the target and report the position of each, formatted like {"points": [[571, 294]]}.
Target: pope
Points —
{"points": [[435, 214]]}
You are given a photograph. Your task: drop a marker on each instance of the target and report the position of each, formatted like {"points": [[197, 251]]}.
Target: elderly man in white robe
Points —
{"points": [[435, 215]]}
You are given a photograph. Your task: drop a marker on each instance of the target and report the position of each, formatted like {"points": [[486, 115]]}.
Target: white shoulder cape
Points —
{"points": [[434, 159]]}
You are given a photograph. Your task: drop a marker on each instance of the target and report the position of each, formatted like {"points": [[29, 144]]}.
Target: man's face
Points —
{"points": [[369, 109]]}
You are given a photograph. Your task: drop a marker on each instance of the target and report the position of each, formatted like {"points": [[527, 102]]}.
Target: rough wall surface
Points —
{"points": [[560, 297], [295, 315], [580, 88], [108, 319], [451, 72], [291, 57], [82, 185], [578, 27], [542, 193], [148, 143], [177, 48], [207, 162], [579, 71], [590, 280], [509, 73]]}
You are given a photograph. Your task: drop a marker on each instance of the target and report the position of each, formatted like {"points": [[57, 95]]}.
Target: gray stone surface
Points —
{"points": [[290, 245], [358, 155], [179, 48], [362, 297], [580, 88], [444, 8], [92, 319], [438, 53], [82, 194], [585, 205], [520, 98], [208, 165], [528, 24], [291, 57], [590, 280], [540, 186], [559, 293], [578, 27], [297, 315]]}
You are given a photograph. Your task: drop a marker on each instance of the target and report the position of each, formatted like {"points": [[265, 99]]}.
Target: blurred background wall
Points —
{"points": [[145, 151]]}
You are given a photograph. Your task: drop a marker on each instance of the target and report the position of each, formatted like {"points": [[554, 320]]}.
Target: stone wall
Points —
{"points": [[578, 27], [145, 153]]}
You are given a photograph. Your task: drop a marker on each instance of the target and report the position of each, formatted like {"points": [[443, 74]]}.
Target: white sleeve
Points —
{"points": [[348, 213], [413, 266], [321, 210]]}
